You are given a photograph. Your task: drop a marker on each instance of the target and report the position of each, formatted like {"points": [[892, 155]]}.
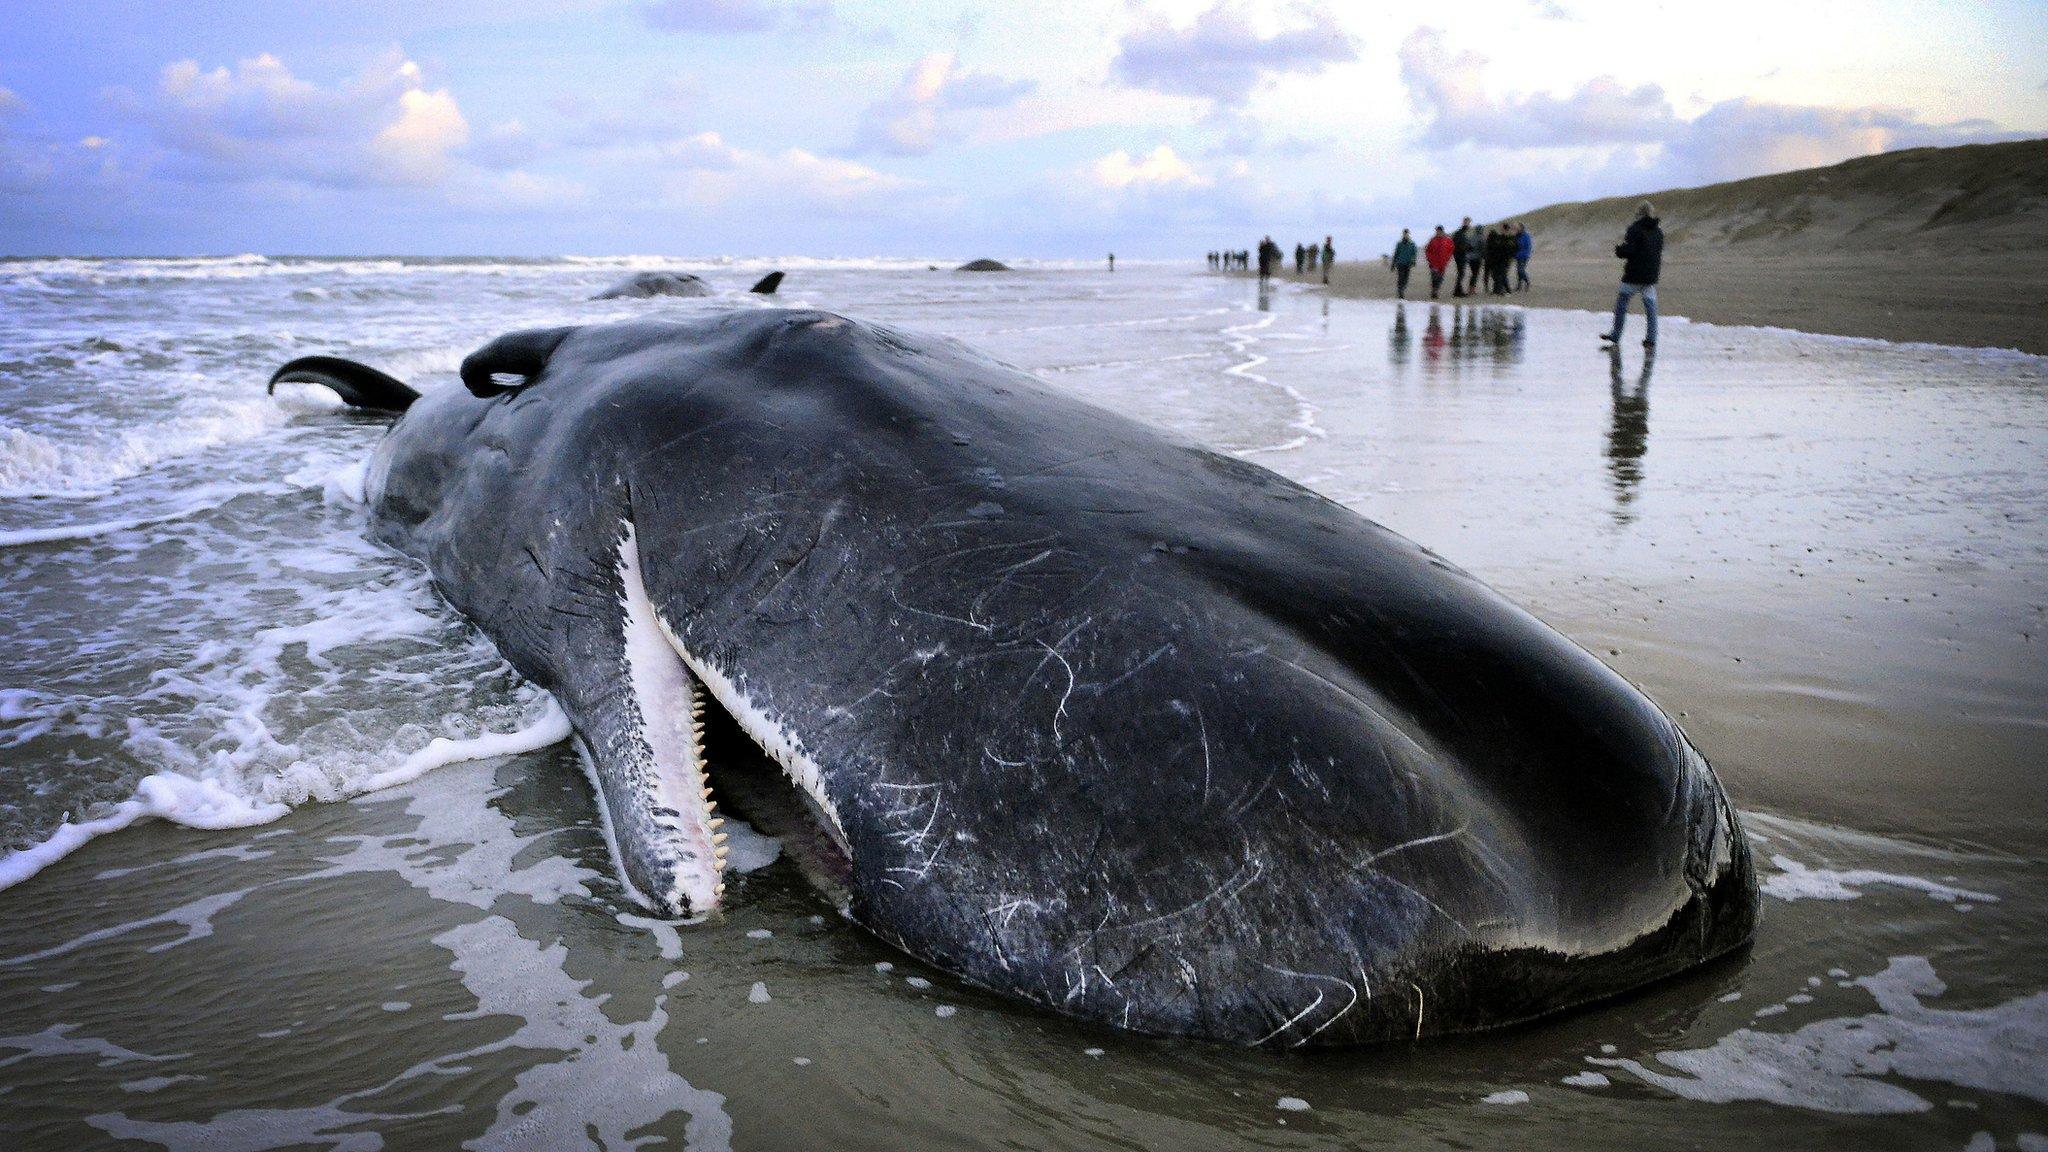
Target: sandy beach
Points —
{"points": [[1925, 245], [1970, 300]]}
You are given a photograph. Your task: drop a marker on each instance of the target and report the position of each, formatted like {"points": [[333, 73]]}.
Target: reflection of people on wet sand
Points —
{"points": [[1498, 335], [1397, 339], [1433, 335], [1628, 438]]}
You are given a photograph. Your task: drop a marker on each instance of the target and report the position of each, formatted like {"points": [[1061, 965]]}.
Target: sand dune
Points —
{"points": [[1938, 245], [1986, 198]]}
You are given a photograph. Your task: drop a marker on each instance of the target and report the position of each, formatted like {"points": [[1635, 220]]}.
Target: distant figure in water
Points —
{"points": [[1329, 258], [1642, 253], [1438, 253], [1112, 261], [1404, 263], [1525, 245]]}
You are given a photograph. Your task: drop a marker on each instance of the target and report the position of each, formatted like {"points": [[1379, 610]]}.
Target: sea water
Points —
{"points": [[293, 858]]}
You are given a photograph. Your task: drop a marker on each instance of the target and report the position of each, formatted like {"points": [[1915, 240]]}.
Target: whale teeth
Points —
{"points": [[718, 837], [717, 822]]}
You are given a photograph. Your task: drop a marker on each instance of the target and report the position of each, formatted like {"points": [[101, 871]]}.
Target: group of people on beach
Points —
{"points": [[1496, 257], [1307, 258], [1472, 251]]}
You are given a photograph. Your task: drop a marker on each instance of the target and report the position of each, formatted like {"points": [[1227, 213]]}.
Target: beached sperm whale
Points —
{"points": [[1101, 719]]}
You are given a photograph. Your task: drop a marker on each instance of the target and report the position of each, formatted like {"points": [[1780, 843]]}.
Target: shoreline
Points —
{"points": [[1957, 300]]}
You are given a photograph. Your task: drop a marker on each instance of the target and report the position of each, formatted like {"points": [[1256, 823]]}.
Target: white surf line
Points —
{"points": [[11, 538], [204, 803], [1240, 339]]}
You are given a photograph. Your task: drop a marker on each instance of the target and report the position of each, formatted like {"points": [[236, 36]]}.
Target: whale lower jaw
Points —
{"points": [[664, 825]]}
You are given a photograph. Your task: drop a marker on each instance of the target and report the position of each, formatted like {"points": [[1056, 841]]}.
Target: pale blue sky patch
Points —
{"points": [[858, 127]]}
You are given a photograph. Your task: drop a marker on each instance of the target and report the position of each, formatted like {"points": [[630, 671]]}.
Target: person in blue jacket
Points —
{"points": [[1524, 245], [1642, 251]]}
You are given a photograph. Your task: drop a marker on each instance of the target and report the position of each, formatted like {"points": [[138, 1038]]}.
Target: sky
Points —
{"points": [[1152, 128]]}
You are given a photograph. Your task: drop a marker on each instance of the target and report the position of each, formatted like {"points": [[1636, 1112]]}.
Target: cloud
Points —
{"points": [[413, 149], [656, 114], [1222, 57], [1744, 137], [1730, 140], [1159, 168], [9, 102], [706, 172], [258, 121], [1552, 10], [1448, 89], [518, 190], [735, 17], [927, 108], [507, 144]]}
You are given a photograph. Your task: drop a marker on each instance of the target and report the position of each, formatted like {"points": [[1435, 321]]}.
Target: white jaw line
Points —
{"points": [[671, 709]]}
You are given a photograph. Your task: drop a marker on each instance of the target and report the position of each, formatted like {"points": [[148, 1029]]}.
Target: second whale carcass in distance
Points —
{"points": [[1099, 718], [644, 285]]}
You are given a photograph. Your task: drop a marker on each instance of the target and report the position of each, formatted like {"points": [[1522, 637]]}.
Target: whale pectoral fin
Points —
{"points": [[640, 716], [358, 385], [767, 285], [523, 354]]}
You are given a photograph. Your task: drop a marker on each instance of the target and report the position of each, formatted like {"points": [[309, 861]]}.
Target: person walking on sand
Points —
{"points": [[1438, 253], [1404, 263], [1525, 245], [1642, 253], [1300, 259], [1461, 247], [1329, 258], [1112, 261], [1269, 255]]}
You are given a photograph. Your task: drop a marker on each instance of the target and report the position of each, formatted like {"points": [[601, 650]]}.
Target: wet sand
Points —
{"points": [[1828, 558], [1964, 299]]}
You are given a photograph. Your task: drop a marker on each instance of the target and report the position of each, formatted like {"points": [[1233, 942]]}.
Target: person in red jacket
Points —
{"points": [[1438, 253]]}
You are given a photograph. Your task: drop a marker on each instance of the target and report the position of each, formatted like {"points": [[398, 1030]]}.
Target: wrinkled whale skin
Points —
{"points": [[1108, 722]]}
